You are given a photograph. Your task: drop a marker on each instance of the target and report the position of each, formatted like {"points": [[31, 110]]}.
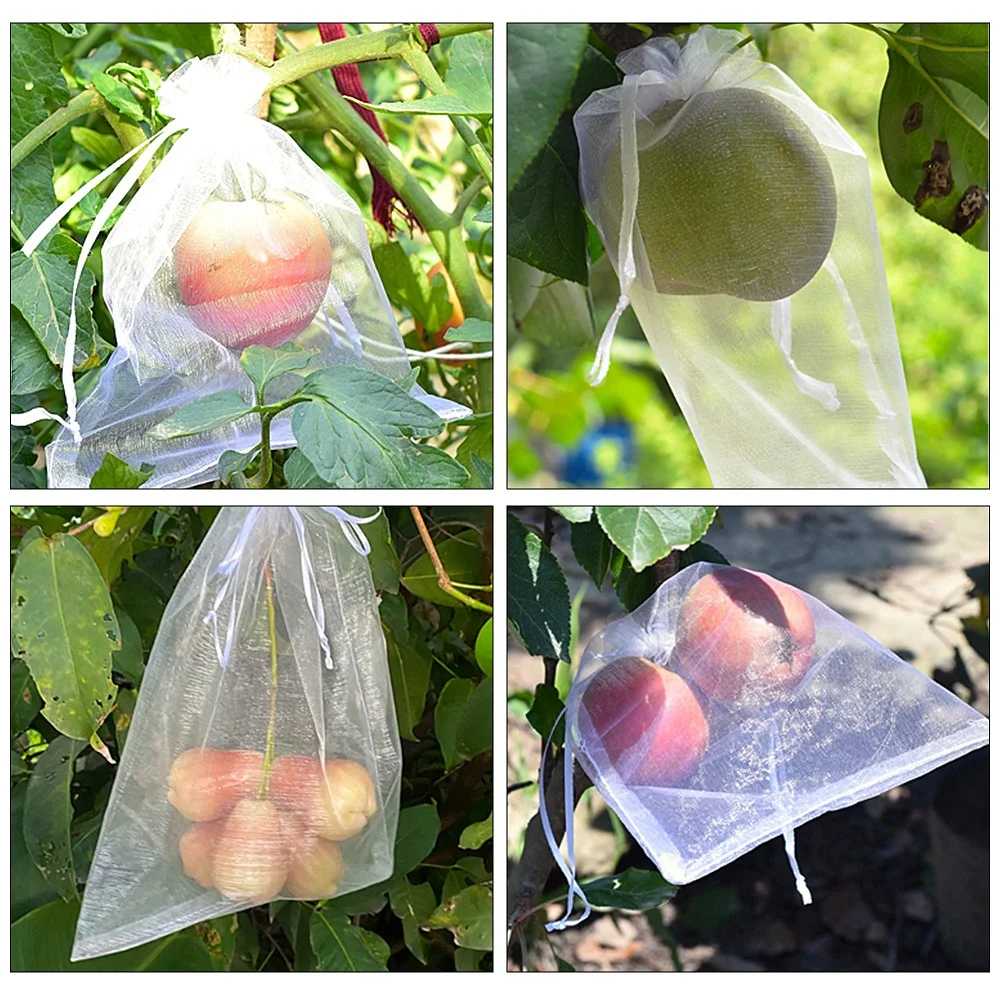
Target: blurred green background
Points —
{"points": [[629, 431]]}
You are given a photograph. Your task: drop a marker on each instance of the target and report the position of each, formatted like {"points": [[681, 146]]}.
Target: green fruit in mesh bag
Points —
{"points": [[738, 198]]}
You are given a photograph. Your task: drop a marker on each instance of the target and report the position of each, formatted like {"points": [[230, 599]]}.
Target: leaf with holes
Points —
{"points": [[469, 916], [64, 627]]}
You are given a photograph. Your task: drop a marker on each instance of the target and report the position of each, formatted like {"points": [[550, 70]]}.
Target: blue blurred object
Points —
{"points": [[603, 452]]}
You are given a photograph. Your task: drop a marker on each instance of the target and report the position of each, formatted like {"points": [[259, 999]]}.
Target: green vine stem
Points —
{"points": [[83, 104], [418, 60], [272, 626], [389, 43], [444, 234]]}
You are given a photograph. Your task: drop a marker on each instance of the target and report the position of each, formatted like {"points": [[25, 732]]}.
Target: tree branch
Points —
{"points": [[444, 580]]}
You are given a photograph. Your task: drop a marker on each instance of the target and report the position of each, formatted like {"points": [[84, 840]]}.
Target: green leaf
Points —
{"points": [[300, 475], [462, 558], [109, 552], [933, 134], [413, 904], [64, 627], [119, 96], [25, 700], [32, 195], [484, 648], [28, 890], [69, 29], [448, 715], [702, 552], [575, 515], [124, 710], [41, 287], [648, 534], [475, 728], [434, 104], [592, 548], [632, 889], [231, 462], [31, 368], [37, 87], [545, 709], [472, 331], [761, 34], [469, 916], [476, 454], [341, 947], [395, 616], [542, 64], [409, 288], [97, 61], [410, 672], [117, 474], [470, 72], [262, 364], [476, 834], [384, 561], [195, 38], [483, 471], [104, 148], [357, 433], [537, 594], [48, 813], [467, 960], [42, 941], [216, 410], [485, 214], [546, 227], [705, 910], [970, 69]]}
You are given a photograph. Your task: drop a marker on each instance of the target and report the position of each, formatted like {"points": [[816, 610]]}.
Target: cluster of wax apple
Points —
{"points": [[253, 272], [742, 640], [250, 847]]}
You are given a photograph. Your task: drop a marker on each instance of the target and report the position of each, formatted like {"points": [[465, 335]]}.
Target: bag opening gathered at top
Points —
{"points": [[236, 238], [738, 217]]}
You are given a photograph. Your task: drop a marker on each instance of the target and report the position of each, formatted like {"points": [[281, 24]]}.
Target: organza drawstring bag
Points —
{"points": [[263, 759], [236, 238], [731, 708], [738, 217]]}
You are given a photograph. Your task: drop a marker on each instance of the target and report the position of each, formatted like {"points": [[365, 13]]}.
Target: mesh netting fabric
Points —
{"points": [[277, 603]]}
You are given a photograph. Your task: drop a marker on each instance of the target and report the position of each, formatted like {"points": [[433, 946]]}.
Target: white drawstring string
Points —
{"points": [[626, 255], [349, 524], [569, 870], [313, 597], [777, 781]]}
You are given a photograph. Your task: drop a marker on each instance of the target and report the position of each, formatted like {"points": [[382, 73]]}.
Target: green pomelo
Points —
{"points": [[738, 198]]}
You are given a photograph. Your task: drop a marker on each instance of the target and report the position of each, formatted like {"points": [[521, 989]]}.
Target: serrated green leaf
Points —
{"points": [[485, 214], [448, 715], [104, 148], [470, 72], [469, 916], [575, 515], [592, 548], [31, 368], [205, 414], [537, 594], [542, 64], [262, 364], [476, 834], [959, 52], [118, 96], [116, 474], [48, 813], [648, 534], [64, 627]]}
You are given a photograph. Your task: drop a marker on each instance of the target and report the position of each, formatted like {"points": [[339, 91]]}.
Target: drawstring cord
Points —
{"points": [[777, 779], [569, 870], [350, 525], [626, 255]]}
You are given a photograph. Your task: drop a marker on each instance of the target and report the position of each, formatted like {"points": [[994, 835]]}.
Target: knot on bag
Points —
{"points": [[205, 91]]}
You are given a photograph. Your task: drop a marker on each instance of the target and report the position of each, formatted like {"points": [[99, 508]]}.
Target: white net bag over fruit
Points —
{"points": [[236, 238], [263, 760], [731, 708], [738, 217]]}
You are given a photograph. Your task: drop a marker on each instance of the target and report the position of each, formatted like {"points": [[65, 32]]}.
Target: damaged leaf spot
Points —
{"points": [[970, 209], [913, 118], [937, 180]]}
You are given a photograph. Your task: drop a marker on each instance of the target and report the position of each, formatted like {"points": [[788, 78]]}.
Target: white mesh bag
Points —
{"points": [[730, 708], [738, 217], [263, 760], [236, 238]]}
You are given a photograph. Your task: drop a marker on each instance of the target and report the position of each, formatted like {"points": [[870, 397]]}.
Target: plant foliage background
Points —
{"points": [[107, 76], [629, 431], [109, 574]]}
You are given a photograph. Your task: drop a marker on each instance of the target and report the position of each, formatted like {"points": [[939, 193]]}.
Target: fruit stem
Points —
{"points": [[443, 579], [263, 475], [272, 625], [83, 104]]}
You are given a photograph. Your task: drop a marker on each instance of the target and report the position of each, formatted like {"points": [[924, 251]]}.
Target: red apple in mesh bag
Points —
{"points": [[253, 272], [742, 637], [334, 799], [632, 703]]}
